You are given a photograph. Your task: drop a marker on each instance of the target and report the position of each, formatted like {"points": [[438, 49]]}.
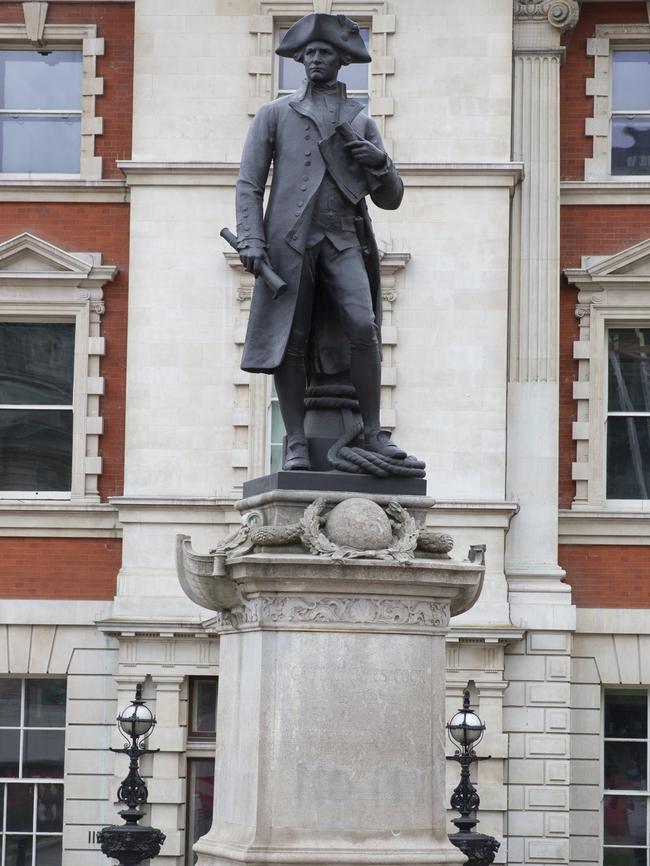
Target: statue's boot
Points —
{"points": [[290, 384], [365, 373], [379, 442], [297, 454]]}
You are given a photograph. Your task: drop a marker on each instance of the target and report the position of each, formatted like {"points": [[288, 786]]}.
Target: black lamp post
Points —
{"points": [[466, 730], [130, 843]]}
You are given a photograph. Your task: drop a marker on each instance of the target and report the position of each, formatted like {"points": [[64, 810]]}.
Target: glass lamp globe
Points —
{"points": [[465, 728], [136, 721]]}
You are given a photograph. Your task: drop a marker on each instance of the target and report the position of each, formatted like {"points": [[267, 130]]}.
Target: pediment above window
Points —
{"points": [[628, 269], [29, 260]]}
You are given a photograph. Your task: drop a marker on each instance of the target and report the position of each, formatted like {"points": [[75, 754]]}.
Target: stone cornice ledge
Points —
{"points": [[604, 192], [491, 514], [60, 190], [604, 527], [58, 519], [176, 509], [471, 174], [612, 620]]}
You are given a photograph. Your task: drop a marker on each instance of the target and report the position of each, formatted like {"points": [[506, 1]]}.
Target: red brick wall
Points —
{"points": [[75, 568], [92, 228], [575, 105], [115, 23], [607, 575]]}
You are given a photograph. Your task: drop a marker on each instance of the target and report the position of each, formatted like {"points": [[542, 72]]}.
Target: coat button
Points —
{"points": [[307, 162], [308, 153], [300, 203], [303, 186], [308, 138]]}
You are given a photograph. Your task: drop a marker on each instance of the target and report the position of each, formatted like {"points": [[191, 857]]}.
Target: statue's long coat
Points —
{"points": [[285, 132]]}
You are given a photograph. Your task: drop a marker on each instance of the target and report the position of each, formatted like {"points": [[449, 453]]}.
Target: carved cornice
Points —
{"points": [[274, 610], [562, 14]]}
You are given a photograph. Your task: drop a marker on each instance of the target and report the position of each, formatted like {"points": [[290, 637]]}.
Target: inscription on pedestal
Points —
{"points": [[357, 730]]}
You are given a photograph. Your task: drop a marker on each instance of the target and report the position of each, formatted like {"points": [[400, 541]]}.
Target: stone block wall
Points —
{"points": [[537, 721]]}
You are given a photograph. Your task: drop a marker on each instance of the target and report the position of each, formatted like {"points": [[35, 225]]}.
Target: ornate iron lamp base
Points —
{"points": [[130, 843], [477, 847]]}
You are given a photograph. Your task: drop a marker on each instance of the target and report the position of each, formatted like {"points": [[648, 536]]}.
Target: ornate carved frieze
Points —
{"points": [[562, 14], [278, 610]]}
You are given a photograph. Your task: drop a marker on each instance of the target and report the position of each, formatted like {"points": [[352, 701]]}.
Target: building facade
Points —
{"points": [[516, 287]]}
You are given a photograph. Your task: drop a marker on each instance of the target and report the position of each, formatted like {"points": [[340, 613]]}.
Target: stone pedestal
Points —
{"points": [[331, 725]]}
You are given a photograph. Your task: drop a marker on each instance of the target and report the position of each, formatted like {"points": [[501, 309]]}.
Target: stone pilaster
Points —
{"points": [[532, 460], [167, 787], [536, 713]]}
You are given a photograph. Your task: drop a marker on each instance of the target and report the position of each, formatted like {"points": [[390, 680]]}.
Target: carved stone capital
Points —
{"points": [[561, 14], [272, 610]]}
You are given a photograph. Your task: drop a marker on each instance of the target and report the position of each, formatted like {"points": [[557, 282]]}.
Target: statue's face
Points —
{"points": [[321, 61]]}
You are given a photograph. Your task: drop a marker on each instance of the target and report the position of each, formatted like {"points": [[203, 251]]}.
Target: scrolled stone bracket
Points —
{"points": [[561, 14]]}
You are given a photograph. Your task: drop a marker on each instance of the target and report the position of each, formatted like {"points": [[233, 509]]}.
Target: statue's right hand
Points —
{"points": [[252, 257]]}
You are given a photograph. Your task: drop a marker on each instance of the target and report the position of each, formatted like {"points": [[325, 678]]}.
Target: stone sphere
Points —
{"points": [[359, 523]]}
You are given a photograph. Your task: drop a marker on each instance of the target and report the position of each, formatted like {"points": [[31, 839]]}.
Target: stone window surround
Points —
{"points": [[64, 285], [606, 38], [72, 36], [262, 62], [610, 292], [251, 416]]}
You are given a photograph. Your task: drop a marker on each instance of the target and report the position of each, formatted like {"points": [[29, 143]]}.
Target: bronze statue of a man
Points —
{"points": [[316, 234]]}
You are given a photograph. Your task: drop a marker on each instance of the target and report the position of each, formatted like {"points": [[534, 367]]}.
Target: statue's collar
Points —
{"points": [[309, 89], [301, 101]]}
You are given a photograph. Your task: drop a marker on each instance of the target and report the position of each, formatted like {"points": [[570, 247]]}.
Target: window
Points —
{"points": [[630, 115], [40, 111], [356, 76], [201, 736], [612, 394], [275, 426], [50, 349], [36, 411], [625, 778], [48, 86], [620, 126], [628, 413], [32, 742], [203, 708]]}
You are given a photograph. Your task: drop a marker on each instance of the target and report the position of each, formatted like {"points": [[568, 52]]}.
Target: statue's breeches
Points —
{"points": [[337, 283]]}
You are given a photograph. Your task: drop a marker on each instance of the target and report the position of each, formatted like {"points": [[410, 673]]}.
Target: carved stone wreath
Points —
{"points": [[404, 527]]}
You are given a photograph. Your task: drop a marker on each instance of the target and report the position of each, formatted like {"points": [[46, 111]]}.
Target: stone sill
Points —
{"points": [[62, 190], [58, 519], [604, 192], [601, 526], [176, 509]]}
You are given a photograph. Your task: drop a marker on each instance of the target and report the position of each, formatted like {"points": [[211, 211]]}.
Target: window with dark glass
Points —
{"points": [[36, 387], [40, 111], [625, 776], [630, 112], [203, 707], [201, 737], [356, 76], [32, 742]]}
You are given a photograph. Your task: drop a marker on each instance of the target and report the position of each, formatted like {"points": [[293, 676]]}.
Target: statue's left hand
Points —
{"points": [[366, 153]]}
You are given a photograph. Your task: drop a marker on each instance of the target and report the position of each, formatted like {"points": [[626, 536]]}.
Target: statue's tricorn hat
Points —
{"points": [[339, 30]]}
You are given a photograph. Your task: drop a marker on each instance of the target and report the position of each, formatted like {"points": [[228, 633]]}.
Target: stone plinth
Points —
{"points": [[331, 727]]}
